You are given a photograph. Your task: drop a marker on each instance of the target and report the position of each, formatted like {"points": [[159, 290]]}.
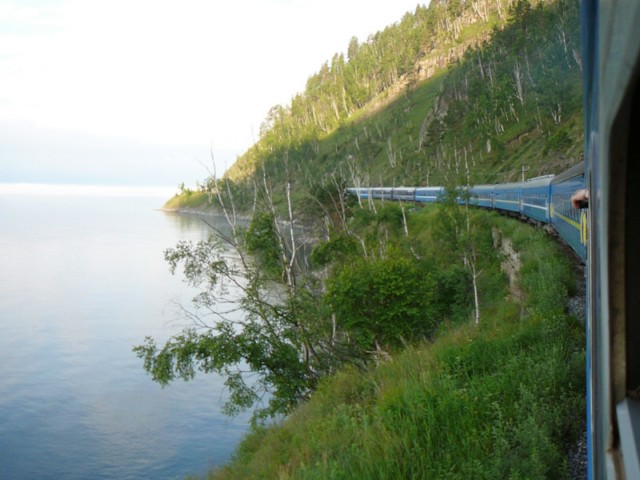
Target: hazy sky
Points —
{"points": [[137, 92]]}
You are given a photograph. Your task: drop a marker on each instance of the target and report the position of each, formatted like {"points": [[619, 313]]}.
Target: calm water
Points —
{"points": [[82, 280]]}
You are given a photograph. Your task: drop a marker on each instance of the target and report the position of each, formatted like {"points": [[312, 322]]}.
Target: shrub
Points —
{"points": [[385, 300]]}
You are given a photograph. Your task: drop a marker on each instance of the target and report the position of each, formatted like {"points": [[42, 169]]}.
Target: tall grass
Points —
{"points": [[502, 400]]}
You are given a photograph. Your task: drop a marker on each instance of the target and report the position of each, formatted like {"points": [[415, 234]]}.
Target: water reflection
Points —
{"points": [[83, 280]]}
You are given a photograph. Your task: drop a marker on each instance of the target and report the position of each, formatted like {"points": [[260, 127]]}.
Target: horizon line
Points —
{"points": [[71, 189]]}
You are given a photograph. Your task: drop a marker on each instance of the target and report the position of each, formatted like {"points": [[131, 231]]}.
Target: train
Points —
{"points": [[543, 200], [604, 236]]}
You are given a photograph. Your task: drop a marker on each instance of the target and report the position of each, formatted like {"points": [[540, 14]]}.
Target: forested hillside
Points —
{"points": [[477, 91]]}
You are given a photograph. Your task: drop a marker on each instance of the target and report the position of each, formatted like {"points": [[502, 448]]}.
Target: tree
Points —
{"points": [[352, 50], [383, 302], [267, 338], [466, 241], [260, 242]]}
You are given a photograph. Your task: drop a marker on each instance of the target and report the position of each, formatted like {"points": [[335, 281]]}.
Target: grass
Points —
{"points": [[502, 400]]}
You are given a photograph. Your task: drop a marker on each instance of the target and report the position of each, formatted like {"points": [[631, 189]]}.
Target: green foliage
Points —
{"points": [[272, 347], [384, 301], [390, 215], [362, 217], [501, 420], [499, 401], [452, 293], [261, 240], [548, 284], [557, 142], [337, 249], [193, 200]]}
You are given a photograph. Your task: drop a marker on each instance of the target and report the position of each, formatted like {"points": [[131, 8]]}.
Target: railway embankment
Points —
{"points": [[577, 308], [501, 398]]}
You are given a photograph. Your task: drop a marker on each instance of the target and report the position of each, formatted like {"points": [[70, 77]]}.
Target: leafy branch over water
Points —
{"points": [[261, 336]]}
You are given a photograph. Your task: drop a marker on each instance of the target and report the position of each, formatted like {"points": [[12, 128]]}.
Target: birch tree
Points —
{"points": [[256, 320]]}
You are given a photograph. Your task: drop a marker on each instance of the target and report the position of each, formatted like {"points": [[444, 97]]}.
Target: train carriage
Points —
{"points": [[536, 198], [570, 222], [428, 194], [405, 194], [382, 193], [507, 196], [481, 196], [362, 193]]}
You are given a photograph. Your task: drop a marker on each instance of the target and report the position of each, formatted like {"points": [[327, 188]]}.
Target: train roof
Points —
{"points": [[575, 171], [538, 181]]}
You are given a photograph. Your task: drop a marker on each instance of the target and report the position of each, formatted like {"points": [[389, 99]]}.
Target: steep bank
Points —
{"points": [[503, 399]]}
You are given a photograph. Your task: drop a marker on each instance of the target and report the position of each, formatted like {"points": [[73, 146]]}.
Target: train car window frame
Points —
{"points": [[623, 253]]}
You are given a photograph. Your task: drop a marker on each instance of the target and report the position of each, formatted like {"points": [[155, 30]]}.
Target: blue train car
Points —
{"points": [[508, 196], [570, 223], [381, 193], [536, 197], [405, 194], [362, 193], [428, 194], [481, 195]]}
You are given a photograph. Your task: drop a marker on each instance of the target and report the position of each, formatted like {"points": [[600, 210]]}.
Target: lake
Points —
{"points": [[82, 280]]}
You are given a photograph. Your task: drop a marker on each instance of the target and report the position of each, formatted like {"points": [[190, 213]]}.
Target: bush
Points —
{"points": [[262, 242], [338, 248], [385, 300]]}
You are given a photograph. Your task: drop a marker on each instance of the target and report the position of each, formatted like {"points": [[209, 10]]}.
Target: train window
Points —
{"points": [[573, 212]]}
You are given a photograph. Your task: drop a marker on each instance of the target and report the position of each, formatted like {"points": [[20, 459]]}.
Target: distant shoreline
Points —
{"points": [[201, 212]]}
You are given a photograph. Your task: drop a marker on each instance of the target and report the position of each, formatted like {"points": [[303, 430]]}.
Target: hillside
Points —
{"points": [[483, 91], [503, 398]]}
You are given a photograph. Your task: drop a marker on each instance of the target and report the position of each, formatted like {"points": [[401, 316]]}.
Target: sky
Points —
{"points": [[146, 92]]}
